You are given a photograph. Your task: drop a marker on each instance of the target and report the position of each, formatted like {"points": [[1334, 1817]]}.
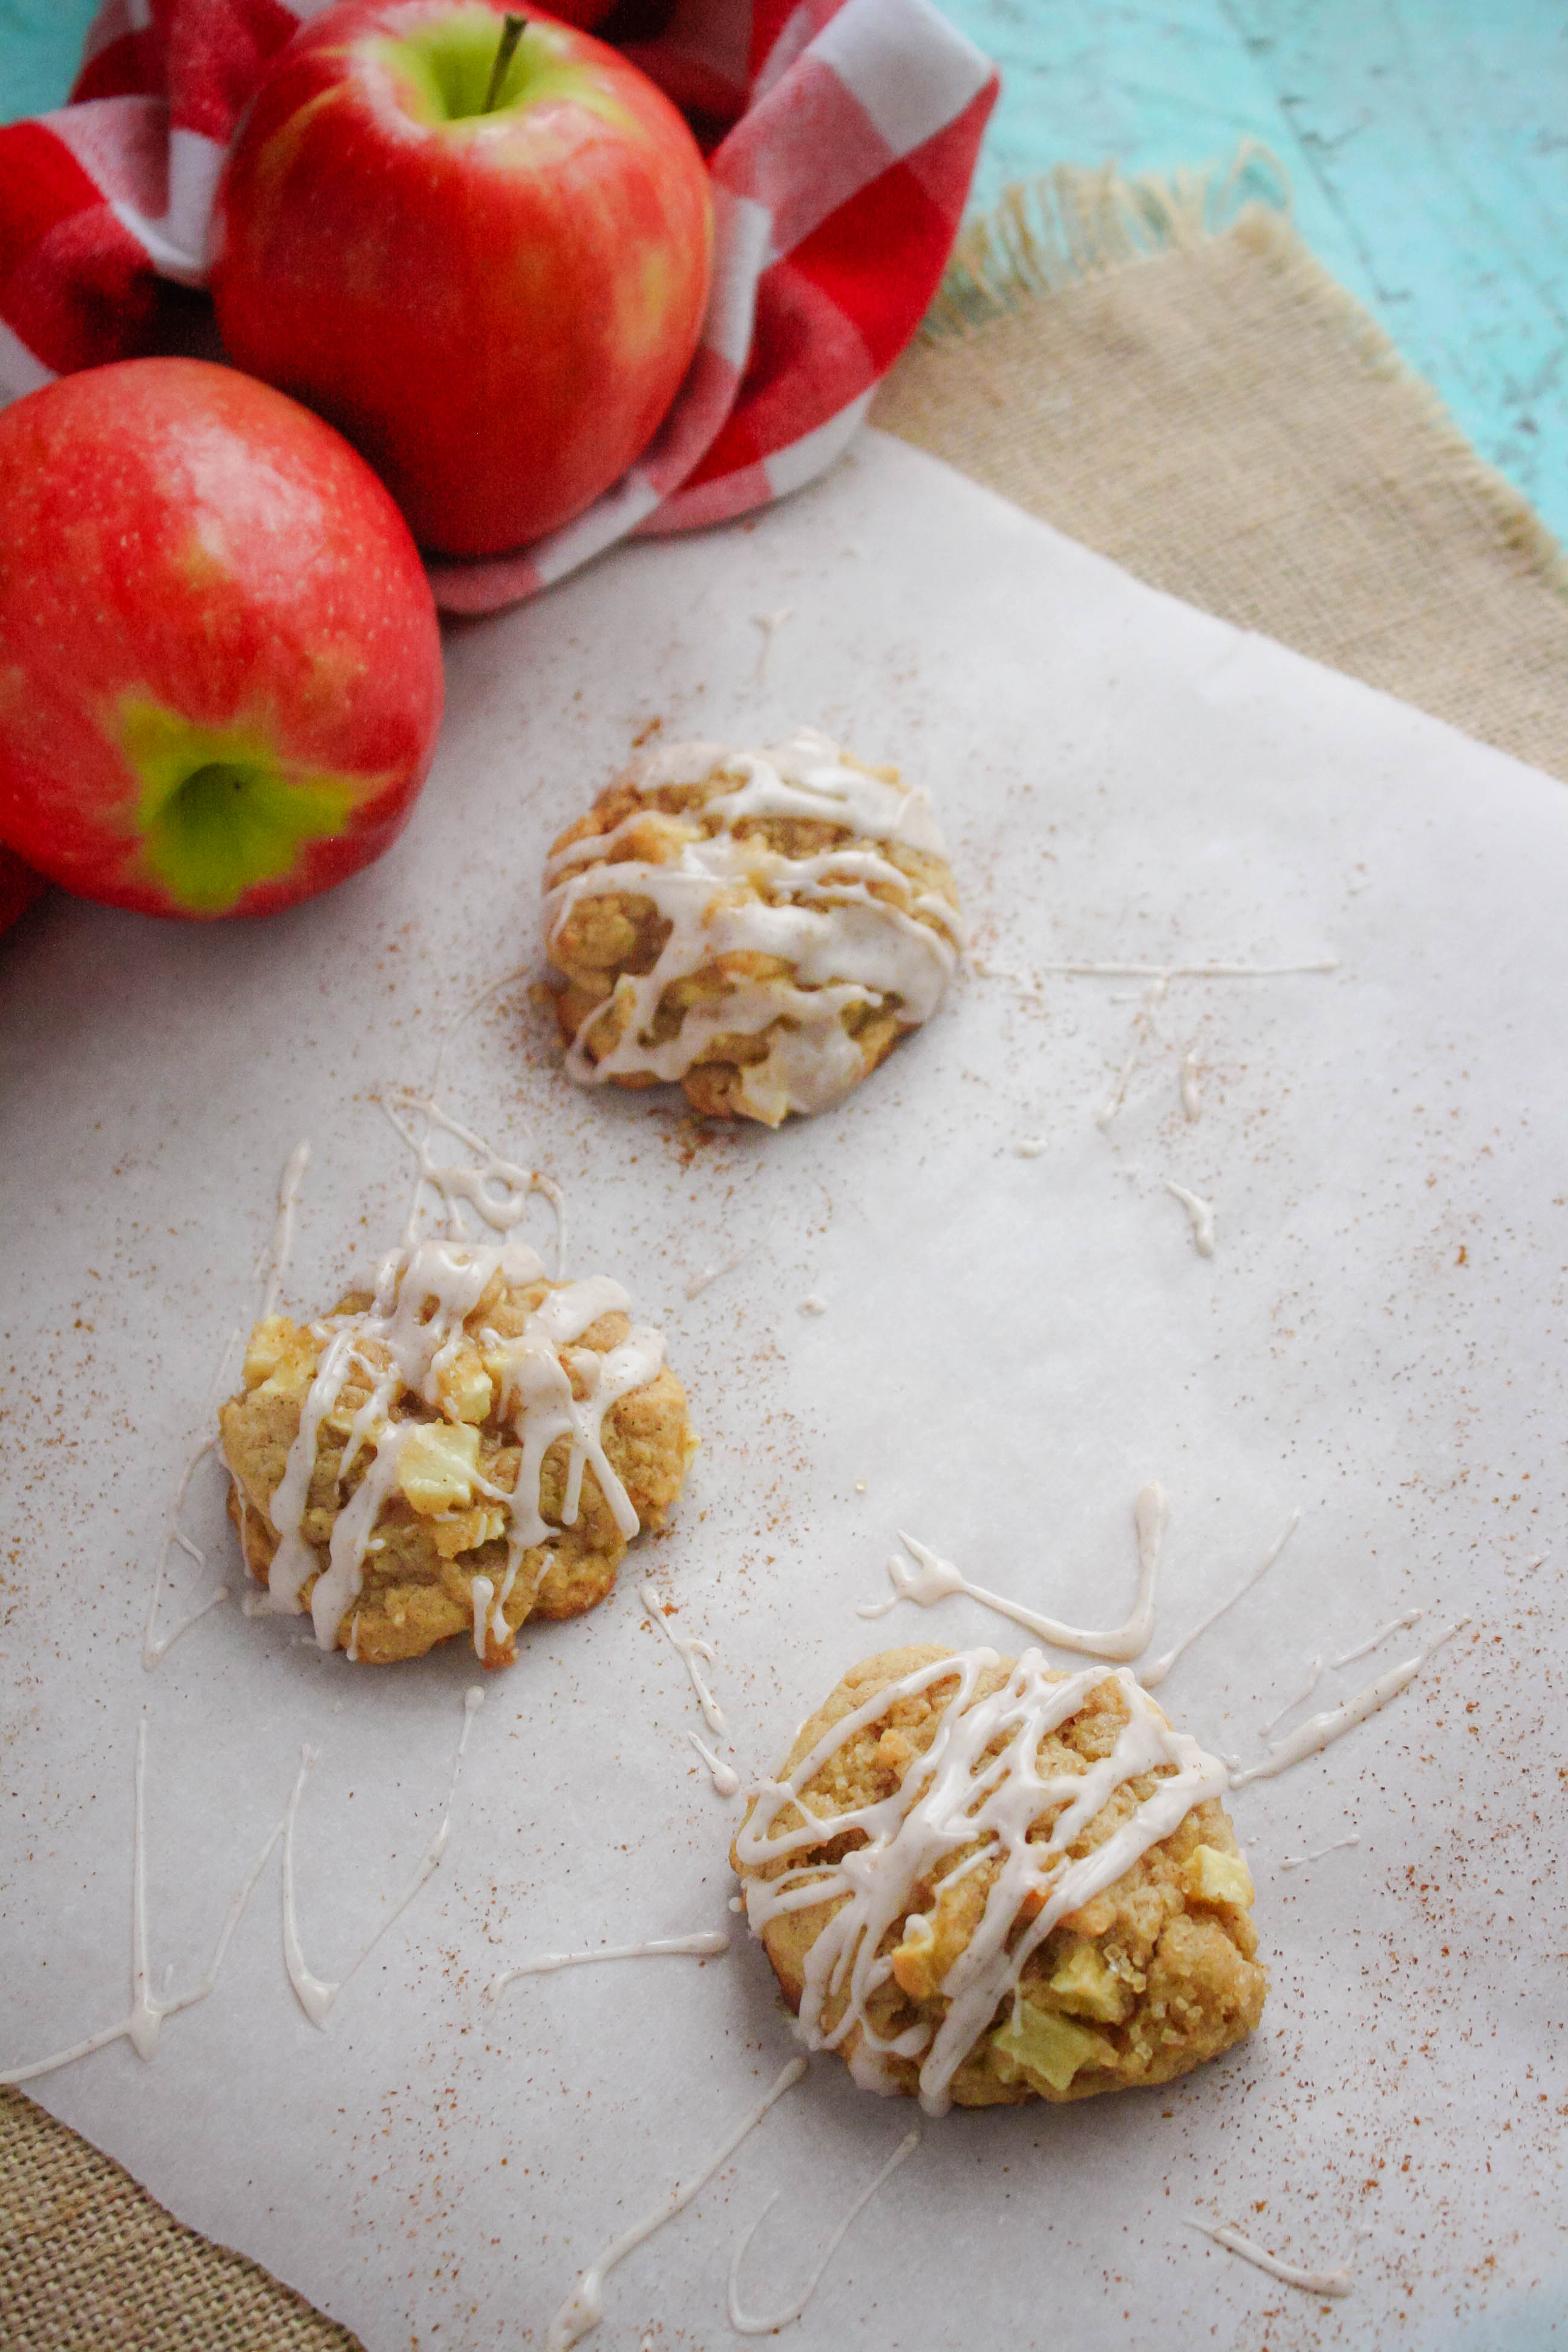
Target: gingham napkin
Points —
{"points": [[843, 135]]}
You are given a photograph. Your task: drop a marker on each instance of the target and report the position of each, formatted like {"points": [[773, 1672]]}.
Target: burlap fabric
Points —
{"points": [[1210, 409], [1216, 413]]}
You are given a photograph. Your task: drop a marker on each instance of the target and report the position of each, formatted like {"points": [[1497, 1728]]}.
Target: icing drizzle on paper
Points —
{"points": [[745, 2323], [932, 1578], [584, 2307], [316, 1995], [269, 1270], [1321, 1731], [141, 2026], [1331, 2282], [690, 1648], [701, 1947], [1157, 977]]}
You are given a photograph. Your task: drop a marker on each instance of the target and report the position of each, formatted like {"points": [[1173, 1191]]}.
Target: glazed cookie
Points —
{"points": [[761, 926], [953, 1928], [466, 1445]]}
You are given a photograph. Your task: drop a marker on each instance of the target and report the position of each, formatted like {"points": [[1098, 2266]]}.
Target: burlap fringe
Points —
{"points": [[1077, 224]]}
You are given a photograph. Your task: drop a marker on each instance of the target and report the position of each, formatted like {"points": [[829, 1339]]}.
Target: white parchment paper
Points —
{"points": [[1009, 1346]]}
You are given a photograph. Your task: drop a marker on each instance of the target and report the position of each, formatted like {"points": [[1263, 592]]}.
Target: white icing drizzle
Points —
{"points": [[1024, 983], [1145, 1021], [1168, 971], [141, 2028], [950, 1797], [497, 1189], [724, 1777], [500, 1629], [482, 1593], [1200, 1216], [155, 1645], [1146, 1024], [702, 1947], [584, 2307], [491, 988], [846, 947], [700, 1282], [689, 1647], [745, 2323], [1150, 999], [424, 1291], [316, 1995], [1321, 1731], [813, 1305], [1314, 1676], [1395, 1625], [1331, 2282], [1155, 1672], [270, 1268], [1031, 1146], [933, 1580], [1300, 1860], [339, 1585], [770, 623], [277, 1254]]}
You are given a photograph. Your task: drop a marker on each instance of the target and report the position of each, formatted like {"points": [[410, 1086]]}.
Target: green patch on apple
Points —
{"points": [[447, 71], [219, 812]]}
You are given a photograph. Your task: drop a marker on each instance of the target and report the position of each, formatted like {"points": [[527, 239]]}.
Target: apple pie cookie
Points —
{"points": [[468, 1444], [762, 927], [984, 1881]]}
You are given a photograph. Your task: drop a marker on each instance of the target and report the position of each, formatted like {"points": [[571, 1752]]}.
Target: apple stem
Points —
{"points": [[510, 33]]}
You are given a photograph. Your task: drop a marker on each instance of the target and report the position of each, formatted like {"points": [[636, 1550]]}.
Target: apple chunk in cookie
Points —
{"points": [[468, 1444], [761, 927], [982, 1881]]}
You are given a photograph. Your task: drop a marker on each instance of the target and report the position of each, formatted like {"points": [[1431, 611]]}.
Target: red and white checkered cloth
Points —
{"points": [[843, 135]]}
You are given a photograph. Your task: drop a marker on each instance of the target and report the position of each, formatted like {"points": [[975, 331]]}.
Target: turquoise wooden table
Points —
{"points": [[1426, 142]]}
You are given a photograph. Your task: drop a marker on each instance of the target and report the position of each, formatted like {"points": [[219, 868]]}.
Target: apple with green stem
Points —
{"points": [[220, 666], [479, 243]]}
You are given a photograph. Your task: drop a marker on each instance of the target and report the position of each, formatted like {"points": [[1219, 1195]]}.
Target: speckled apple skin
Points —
{"points": [[497, 312], [174, 533]]}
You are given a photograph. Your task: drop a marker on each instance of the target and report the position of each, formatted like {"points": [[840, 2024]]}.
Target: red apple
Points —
{"points": [[497, 305], [589, 14], [220, 669]]}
